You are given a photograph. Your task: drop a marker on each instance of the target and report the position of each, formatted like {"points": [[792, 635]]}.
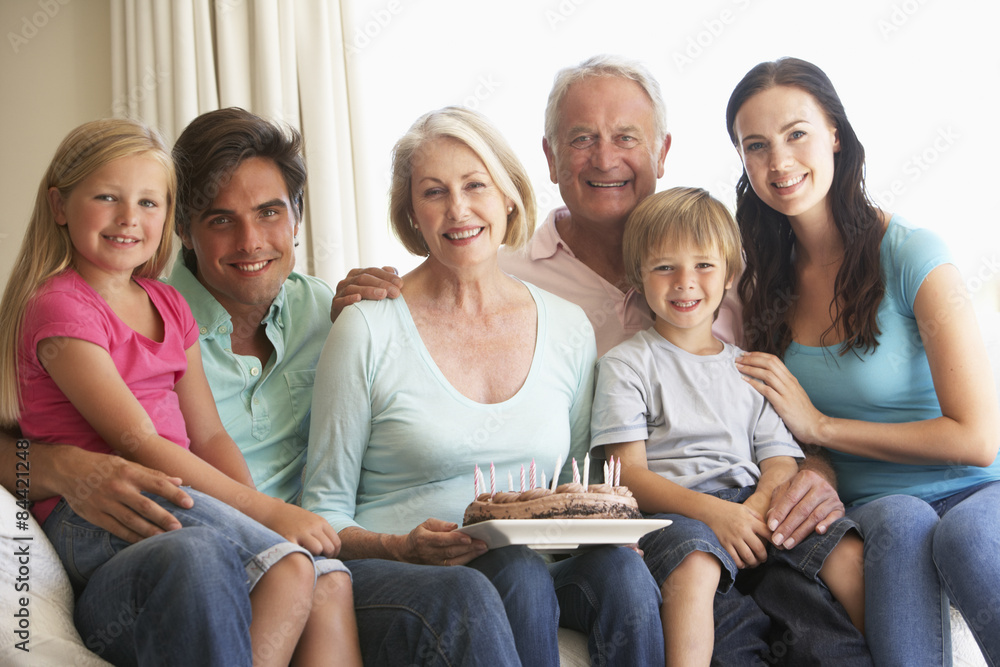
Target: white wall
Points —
{"points": [[919, 79], [55, 73]]}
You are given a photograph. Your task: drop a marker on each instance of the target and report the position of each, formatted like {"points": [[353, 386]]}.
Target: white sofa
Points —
{"points": [[54, 641]]}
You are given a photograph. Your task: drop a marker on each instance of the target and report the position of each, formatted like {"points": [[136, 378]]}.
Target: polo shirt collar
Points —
{"points": [[546, 242], [207, 311]]}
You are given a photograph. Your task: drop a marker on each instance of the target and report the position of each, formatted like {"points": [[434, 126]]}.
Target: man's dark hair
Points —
{"points": [[214, 144]]}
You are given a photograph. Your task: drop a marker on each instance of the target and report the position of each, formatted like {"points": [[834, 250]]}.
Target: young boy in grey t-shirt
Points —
{"points": [[699, 445]]}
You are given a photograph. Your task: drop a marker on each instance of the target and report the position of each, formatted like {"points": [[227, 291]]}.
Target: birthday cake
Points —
{"points": [[568, 501], [575, 500]]}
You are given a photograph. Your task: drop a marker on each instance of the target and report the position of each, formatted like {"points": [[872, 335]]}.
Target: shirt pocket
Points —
{"points": [[300, 390]]}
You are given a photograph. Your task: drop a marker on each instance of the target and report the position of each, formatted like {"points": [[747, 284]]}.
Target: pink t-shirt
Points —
{"points": [[66, 306], [549, 263]]}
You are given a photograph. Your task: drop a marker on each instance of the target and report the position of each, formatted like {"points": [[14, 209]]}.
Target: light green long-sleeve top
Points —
{"points": [[392, 443]]}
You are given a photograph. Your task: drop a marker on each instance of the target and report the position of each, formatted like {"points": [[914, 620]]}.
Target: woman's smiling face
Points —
{"points": [[787, 145], [457, 207]]}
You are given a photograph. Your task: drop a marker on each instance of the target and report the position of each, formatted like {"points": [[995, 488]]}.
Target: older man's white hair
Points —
{"points": [[605, 65]]}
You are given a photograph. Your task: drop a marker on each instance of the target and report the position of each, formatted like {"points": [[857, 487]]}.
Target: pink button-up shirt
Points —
{"points": [[549, 263]]}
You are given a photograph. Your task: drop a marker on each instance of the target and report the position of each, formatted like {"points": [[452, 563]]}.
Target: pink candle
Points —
{"points": [[531, 475], [493, 480], [618, 471], [522, 478], [576, 473], [475, 481]]}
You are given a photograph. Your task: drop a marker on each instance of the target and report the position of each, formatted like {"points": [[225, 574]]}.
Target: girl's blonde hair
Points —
{"points": [[47, 250], [476, 132]]}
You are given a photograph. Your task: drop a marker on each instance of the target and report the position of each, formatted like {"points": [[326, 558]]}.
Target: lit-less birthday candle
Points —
{"points": [[586, 471], [555, 475]]}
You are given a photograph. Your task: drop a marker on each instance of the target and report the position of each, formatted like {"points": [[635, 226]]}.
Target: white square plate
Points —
{"points": [[562, 535]]}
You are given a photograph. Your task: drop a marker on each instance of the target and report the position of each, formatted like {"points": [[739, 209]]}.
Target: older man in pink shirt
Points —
{"points": [[605, 141]]}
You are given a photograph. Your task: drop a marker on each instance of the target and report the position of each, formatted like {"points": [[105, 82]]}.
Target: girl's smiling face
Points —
{"points": [[787, 145], [115, 217]]}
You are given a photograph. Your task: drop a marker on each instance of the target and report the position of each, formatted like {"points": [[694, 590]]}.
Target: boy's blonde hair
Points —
{"points": [[680, 215], [475, 131], [47, 249]]}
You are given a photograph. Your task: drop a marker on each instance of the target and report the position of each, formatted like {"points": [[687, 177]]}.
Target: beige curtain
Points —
{"points": [[281, 59]]}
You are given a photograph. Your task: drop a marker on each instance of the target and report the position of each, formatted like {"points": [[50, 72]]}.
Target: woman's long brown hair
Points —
{"points": [[767, 287]]}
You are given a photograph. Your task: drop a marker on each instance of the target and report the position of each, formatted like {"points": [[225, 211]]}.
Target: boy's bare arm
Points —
{"points": [[739, 532], [655, 494]]}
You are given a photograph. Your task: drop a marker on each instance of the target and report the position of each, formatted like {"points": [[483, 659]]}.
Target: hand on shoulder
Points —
{"points": [[372, 284]]}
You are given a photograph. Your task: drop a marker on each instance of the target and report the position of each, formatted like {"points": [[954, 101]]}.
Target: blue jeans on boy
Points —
{"points": [[606, 593], [743, 630], [918, 555]]}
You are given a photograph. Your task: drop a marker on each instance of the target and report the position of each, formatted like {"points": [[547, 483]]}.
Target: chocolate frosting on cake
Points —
{"points": [[568, 501]]}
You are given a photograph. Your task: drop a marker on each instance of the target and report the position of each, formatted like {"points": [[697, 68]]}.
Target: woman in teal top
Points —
{"points": [[469, 366], [868, 346]]}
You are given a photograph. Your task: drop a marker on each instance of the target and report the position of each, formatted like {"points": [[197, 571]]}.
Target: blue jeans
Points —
{"points": [[918, 555], [807, 626], [666, 548], [429, 615], [135, 599], [606, 593], [84, 547], [609, 594], [793, 620]]}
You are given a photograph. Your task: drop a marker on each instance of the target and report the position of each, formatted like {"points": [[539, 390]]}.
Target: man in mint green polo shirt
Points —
{"points": [[240, 183], [264, 406]]}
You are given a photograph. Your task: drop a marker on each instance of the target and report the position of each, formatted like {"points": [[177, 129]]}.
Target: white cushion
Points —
{"points": [[53, 639]]}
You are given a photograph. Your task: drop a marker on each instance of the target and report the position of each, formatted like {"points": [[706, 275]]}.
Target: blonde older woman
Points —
{"points": [[469, 366]]}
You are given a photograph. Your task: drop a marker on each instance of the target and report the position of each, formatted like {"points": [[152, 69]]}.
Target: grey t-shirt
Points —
{"points": [[705, 428]]}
